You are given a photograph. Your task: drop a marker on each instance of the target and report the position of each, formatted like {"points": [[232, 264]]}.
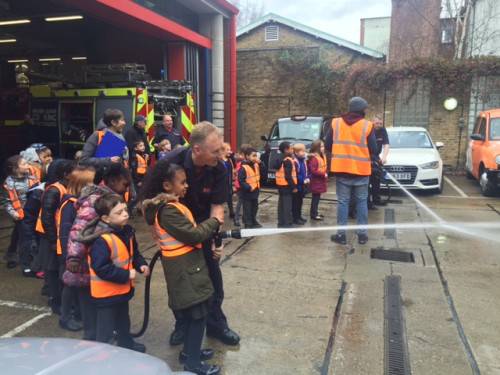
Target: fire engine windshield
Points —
{"points": [[308, 129]]}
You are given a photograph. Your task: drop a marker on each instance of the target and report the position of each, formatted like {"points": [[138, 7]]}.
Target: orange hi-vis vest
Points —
{"points": [[350, 153], [280, 174], [14, 198], [253, 176], [169, 246], [36, 172], [142, 164], [62, 190], [321, 163], [121, 258], [58, 222]]}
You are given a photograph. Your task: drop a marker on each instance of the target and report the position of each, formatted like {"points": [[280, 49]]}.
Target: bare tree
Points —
{"points": [[473, 31], [250, 10]]}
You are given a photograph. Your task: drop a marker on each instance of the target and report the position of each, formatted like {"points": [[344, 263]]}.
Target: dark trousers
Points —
{"points": [[216, 319], [374, 193], [69, 301], [229, 201], [114, 318], [89, 314], [16, 241], [315, 204], [250, 208], [297, 201], [195, 329], [285, 217]]}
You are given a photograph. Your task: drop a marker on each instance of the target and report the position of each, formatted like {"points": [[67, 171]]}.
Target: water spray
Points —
{"points": [[246, 233]]}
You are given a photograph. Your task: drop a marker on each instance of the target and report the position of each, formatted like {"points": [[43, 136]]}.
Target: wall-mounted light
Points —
{"points": [[64, 18], [17, 61], [8, 40], [450, 104], [79, 58], [50, 59], [14, 22]]}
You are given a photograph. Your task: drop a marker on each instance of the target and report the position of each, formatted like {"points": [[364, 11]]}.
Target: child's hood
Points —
{"points": [[93, 230], [150, 206], [30, 155]]}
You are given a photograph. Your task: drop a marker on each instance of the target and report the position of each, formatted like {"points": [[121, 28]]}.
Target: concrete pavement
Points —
{"points": [[283, 292]]}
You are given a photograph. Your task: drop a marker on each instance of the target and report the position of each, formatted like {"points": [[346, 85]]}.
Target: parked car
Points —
{"points": [[294, 129], [483, 152], [58, 356], [414, 159]]}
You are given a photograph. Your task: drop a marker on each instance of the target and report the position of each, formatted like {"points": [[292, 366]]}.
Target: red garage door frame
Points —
{"points": [[132, 16]]}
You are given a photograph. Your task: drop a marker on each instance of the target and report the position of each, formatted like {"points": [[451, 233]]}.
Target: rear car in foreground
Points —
{"points": [[57, 356], [414, 159]]}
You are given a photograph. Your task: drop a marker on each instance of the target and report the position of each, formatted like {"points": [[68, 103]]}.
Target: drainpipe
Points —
{"points": [[232, 84], [218, 71]]}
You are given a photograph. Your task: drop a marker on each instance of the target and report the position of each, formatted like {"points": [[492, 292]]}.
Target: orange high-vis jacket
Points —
{"points": [[280, 173], [121, 258], [322, 163], [62, 190], [253, 176], [142, 164], [14, 198], [36, 171], [350, 152], [71, 200], [169, 246]]}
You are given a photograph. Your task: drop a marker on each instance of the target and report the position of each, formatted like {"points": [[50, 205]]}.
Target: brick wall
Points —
{"points": [[415, 29], [265, 93], [443, 124]]}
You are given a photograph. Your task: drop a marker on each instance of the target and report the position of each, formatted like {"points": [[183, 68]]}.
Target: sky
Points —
{"points": [[337, 17]]}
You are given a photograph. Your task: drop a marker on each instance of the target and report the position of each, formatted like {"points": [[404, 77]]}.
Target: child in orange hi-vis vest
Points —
{"points": [[114, 259], [249, 179], [15, 189], [180, 240]]}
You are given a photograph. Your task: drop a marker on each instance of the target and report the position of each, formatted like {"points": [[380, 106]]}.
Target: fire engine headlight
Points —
{"points": [[431, 165], [497, 160]]}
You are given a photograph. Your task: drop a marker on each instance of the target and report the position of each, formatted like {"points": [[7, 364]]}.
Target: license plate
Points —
{"points": [[402, 176], [271, 175]]}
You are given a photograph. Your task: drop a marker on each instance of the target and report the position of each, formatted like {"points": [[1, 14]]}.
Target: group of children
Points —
{"points": [[71, 229], [297, 174]]}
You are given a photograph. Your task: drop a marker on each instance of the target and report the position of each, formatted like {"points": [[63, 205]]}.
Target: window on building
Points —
{"points": [[447, 32], [272, 33], [412, 103]]}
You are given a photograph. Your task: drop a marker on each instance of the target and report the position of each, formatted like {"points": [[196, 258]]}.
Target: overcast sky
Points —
{"points": [[336, 17]]}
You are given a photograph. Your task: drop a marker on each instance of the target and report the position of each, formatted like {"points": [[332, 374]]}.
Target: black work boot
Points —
{"points": [[339, 238], [177, 337]]}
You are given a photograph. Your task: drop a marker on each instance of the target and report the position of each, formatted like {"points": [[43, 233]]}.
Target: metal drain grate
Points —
{"points": [[389, 218], [393, 255], [396, 361]]}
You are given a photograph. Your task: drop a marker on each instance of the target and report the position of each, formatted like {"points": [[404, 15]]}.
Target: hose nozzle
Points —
{"points": [[233, 233]]}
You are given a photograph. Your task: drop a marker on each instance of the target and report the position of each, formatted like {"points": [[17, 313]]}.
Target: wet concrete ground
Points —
{"points": [[283, 292]]}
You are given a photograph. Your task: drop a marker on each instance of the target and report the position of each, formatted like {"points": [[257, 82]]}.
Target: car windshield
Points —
{"points": [[495, 129], [308, 129], [409, 139]]}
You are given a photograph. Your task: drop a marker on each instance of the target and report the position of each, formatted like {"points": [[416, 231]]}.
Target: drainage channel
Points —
{"points": [[396, 358]]}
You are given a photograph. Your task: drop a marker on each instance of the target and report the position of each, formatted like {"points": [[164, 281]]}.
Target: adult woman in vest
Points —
{"points": [[180, 239]]}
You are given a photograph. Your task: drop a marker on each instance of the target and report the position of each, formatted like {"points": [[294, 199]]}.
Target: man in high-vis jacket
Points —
{"points": [[351, 141]]}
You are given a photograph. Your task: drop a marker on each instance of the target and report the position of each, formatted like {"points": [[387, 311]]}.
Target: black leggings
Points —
{"points": [[315, 204], [195, 329]]}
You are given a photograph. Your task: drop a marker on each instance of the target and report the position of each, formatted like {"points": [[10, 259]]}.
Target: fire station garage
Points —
{"points": [[63, 62]]}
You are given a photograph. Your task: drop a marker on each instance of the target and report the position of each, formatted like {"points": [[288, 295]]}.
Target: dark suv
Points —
{"points": [[295, 129]]}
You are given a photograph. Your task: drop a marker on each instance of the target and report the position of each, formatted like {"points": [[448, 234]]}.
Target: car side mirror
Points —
{"points": [[263, 138], [477, 137], [439, 145]]}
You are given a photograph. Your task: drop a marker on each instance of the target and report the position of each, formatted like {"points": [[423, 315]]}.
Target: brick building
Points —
{"points": [[266, 91]]}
